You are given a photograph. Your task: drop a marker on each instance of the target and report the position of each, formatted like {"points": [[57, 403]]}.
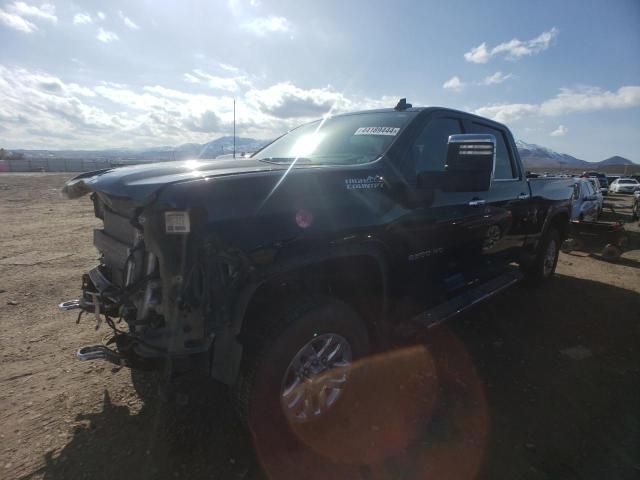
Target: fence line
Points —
{"points": [[58, 165]]}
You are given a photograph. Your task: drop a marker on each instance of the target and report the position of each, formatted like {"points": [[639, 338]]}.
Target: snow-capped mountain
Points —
{"points": [[212, 149], [223, 145], [536, 156]]}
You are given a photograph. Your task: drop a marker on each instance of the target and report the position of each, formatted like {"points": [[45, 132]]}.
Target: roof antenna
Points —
{"points": [[402, 105]]}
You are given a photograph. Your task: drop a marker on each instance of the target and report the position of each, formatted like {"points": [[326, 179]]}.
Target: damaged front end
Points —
{"points": [[167, 282], [124, 291]]}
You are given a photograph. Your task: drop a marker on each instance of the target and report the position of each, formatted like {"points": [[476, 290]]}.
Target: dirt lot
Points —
{"points": [[552, 392]]}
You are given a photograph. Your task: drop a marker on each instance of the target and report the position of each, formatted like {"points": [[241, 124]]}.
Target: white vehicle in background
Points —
{"points": [[624, 185], [586, 204]]}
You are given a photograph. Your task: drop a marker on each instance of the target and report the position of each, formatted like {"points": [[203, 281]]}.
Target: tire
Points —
{"points": [[569, 245], [262, 381], [544, 264], [611, 253]]}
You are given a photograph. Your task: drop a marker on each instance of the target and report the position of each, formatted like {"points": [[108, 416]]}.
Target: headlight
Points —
{"points": [[177, 222]]}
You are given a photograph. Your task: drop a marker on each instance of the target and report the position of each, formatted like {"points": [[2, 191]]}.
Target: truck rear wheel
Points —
{"points": [[544, 264], [301, 368]]}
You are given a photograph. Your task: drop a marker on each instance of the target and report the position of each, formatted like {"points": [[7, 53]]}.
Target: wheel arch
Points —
{"points": [[356, 276], [560, 221]]}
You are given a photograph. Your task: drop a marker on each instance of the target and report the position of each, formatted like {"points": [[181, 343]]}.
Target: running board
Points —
{"points": [[458, 304]]}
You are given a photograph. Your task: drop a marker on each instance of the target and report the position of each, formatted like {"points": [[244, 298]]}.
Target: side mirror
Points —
{"points": [[471, 162], [469, 165]]}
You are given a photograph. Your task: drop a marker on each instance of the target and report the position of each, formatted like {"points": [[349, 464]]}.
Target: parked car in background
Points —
{"points": [[604, 185], [635, 209], [602, 180], [611, 179], [597, 189], [624, 185], [585, 202]]}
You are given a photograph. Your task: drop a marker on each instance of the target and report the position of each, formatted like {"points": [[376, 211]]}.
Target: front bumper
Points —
{"points": [[104, 301]]}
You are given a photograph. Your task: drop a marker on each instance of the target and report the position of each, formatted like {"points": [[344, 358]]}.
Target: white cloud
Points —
{"points": [[513, 49], [69, 115], [101, 15], [127, 21], [507, 112], [13, 14], [586, 99], [478, 54], [106, 36], [583, 99], [230, 84], [496, 78], [263, 25], [190, 78], [16, 22], [561, 131], [82, 19], [454, 83], [228, 68], [46, 11], [285, 100], [47, 102]]}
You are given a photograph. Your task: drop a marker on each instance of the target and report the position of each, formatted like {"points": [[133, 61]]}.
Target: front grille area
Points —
{"points": [[119, 227], [116, 243]]}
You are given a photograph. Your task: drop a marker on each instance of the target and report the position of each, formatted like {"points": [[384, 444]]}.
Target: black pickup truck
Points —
{"points": [[274, 273]]}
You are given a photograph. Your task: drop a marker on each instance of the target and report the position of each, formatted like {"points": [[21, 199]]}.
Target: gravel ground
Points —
{"points": [[552, 391]]}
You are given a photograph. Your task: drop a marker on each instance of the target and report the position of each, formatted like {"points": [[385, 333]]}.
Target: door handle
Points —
{"points": [[523, 196], [477, 202]]}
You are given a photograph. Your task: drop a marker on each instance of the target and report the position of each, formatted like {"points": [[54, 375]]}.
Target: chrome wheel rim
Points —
{"points": [[316, 377], [549, 258]]}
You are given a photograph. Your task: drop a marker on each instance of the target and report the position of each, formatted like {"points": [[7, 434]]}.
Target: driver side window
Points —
{"points": [[429, 151]]}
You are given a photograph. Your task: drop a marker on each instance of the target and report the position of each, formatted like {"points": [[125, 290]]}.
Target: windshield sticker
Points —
{"points": [[370, 182], [390, 131]]}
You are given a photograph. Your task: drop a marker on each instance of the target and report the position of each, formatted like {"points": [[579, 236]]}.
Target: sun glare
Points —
{"points": [[306, 145], [192, 164]]}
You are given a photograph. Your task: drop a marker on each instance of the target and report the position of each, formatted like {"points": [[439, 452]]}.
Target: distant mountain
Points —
{"points": [[616, 160], [224, 145], [535, 156], [212, 149]]}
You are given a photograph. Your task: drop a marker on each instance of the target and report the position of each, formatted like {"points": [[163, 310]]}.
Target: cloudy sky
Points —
{"points": [[93, 74]]}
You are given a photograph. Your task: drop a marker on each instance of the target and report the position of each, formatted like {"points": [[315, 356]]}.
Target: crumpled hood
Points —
{"points": [[139, 182]]}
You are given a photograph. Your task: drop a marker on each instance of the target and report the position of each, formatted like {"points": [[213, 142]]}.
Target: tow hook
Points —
{"points": [[100, 352], [70, 305]]}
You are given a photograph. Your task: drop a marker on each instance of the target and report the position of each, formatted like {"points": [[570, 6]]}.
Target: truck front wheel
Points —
{"points": [[301, 369], [544, 264]]}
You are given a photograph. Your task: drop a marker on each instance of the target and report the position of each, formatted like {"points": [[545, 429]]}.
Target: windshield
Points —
{"points": [[343, 140], [628, 181]]}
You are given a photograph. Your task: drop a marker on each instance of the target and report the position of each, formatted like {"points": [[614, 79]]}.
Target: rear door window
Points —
{"points": [[505, 167], [576, 191], [589, 187]]}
